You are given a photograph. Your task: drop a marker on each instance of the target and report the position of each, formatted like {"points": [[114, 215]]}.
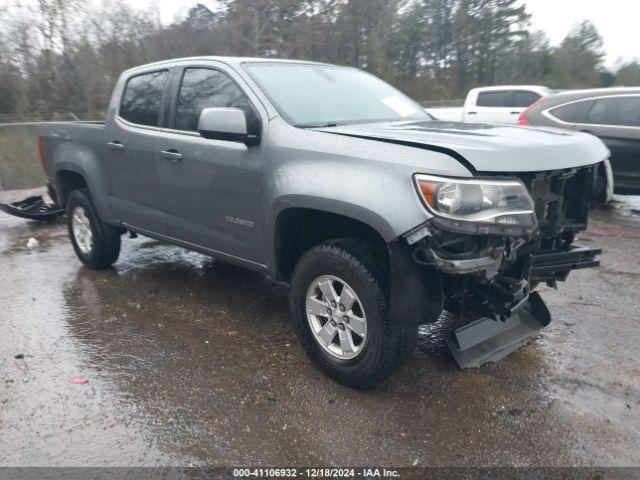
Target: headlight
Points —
{"points": [[502, 207]]}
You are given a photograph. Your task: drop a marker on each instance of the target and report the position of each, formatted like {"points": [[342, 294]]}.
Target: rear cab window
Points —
{"points": [[142, 98], [493, 99], [507, 98], [524, 98]]}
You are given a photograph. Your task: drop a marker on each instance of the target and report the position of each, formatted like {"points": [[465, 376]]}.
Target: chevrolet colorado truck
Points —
{"points": [[330, 180]]}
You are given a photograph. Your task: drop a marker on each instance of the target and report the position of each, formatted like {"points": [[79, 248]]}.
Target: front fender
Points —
{"points": [[416, 294], [338, 207]]}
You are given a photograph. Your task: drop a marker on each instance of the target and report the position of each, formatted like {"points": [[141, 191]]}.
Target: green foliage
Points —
{"points": [[66, 55], [9, 86], [579, 57], [628, 75]]}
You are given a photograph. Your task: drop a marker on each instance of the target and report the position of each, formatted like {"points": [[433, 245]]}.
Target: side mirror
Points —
{"points": [[228, 124]]}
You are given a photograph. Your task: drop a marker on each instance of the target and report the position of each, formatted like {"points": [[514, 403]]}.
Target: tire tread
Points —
{"points": [[399, 343], [105, 237]]}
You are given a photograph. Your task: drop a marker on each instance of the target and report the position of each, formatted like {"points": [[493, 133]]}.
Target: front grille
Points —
{"points": [[561, 199], [540, 187]]}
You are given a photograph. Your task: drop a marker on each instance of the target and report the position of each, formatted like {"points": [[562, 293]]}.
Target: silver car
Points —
{"points": [[611, 114]]}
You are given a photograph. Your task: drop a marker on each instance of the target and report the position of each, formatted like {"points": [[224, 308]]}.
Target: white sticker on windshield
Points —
{"points": [[399, 105]]}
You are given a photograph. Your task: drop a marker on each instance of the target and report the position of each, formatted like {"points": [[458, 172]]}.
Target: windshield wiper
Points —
{"points": [[319, 125]]}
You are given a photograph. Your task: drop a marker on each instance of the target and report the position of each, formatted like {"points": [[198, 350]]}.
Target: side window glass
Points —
{"points": [[621, 111], [524, 99], [576, 112], [142, 98], [206, 88], [492, 99]]}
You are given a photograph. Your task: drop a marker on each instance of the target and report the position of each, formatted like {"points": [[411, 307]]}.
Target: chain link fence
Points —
{"points": [[19, 165], [14, 118]]}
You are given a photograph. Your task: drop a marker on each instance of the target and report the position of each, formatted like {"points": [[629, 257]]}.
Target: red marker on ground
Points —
{"points": [[79, 380]]}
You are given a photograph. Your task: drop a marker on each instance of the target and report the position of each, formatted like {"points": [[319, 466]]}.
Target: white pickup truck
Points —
{"points": [[502, 104]]}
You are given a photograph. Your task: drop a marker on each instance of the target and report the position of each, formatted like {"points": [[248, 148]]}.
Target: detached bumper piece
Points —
{"points": [[512, 315], [487, 340], [33, 208]]}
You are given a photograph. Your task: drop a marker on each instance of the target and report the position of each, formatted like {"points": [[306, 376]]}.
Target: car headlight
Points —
{"points": [[483, 206]]}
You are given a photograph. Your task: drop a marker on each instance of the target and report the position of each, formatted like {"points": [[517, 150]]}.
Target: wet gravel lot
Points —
{"points": [[194, 362]]}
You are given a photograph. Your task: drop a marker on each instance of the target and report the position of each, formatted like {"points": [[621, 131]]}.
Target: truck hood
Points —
{"points": [[488, 148]]}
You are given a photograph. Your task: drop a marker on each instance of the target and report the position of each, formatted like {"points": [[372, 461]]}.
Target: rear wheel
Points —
{"points": [[339, 297], [96, 244]]}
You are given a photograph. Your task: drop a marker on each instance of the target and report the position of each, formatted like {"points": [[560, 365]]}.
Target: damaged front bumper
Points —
{"points": [[490, 282], [488, 278]]}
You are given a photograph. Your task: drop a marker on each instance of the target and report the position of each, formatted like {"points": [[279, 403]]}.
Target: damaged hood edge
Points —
{"points": [[488, 148]]}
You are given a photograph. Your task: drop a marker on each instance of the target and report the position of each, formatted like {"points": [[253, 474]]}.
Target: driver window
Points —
{"points": [[206, 88]]}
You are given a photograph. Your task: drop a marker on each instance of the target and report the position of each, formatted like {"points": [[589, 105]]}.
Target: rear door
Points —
{"points": [[616, 121], [132, 136], [212, 189]]}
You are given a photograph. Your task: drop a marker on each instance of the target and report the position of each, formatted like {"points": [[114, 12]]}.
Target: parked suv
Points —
{"points": [[332, 181], [611, 114]]}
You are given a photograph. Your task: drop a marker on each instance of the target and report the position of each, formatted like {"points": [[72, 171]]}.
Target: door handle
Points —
{"points": [[115, 145], [515, 113], [472, 113], [171, 155]]}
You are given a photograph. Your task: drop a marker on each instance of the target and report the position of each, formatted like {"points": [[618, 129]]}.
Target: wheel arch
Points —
{"points": [[70, 176], [66, 182], [416, 293], [297, 229]]}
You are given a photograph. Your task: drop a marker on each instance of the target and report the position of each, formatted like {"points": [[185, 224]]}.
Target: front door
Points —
{"points": [[212, 188], [616, 121]]}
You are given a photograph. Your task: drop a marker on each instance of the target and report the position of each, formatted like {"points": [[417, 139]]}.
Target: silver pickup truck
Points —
{"points": [[330, 180]]}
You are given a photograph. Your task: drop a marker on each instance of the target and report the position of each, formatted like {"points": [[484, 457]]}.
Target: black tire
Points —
{"points": [[106, 239], [387, 347]]}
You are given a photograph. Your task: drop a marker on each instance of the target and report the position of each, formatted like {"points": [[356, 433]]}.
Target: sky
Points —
{"points": [[616, 20]]}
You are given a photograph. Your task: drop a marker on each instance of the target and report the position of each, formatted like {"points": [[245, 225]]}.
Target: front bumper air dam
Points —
{"points": [[520, 319], [488, 340]]}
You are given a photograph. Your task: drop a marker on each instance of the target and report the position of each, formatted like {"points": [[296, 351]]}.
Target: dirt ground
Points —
{"points": [[194, 362]]}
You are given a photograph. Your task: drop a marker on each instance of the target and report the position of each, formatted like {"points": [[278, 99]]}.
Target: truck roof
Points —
{"points": [[511, 87], [223, 59]]}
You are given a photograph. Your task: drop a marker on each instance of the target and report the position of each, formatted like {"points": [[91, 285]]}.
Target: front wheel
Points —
{"points": [[96, 244], [339, 298]]}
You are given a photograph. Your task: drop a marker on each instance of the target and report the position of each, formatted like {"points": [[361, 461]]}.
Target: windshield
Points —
{"points": [[311, 95]]}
